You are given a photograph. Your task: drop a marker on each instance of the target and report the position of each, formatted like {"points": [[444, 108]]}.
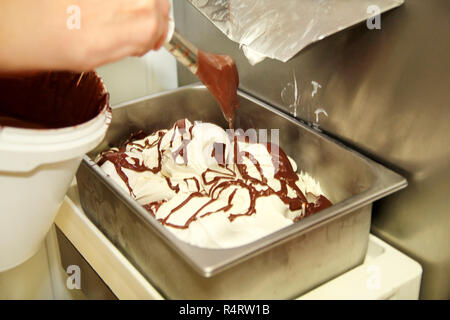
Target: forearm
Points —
{"points": [[32, 34], [41, 34]]}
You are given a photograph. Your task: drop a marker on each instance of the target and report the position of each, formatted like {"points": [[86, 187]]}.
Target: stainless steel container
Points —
{"points": [[281, 265]]}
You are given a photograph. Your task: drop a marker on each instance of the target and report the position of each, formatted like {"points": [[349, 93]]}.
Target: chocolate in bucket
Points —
{"points": [[42, 163], [50, 100]]}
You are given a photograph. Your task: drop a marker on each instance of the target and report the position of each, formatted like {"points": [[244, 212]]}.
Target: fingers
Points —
{"points": [[163, 8], [162, 39], [156, 28]]}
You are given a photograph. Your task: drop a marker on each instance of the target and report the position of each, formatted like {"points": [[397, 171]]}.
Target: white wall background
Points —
{"points": [[137, 77]]}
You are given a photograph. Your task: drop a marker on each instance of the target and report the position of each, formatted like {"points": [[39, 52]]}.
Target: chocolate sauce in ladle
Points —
{"points": [[219, 74]]}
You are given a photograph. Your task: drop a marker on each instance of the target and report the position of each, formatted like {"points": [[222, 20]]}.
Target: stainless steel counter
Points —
{"points": [[386, 93], [385, 274]]}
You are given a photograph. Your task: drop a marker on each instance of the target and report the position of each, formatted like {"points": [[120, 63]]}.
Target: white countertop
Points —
{"points": [[385, 274]]}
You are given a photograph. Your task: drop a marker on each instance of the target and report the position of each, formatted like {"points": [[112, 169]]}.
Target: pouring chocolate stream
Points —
{"points": [[217, 72]]}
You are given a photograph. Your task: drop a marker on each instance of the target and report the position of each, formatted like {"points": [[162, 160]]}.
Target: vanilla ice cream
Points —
{"points": [[211, 188]]}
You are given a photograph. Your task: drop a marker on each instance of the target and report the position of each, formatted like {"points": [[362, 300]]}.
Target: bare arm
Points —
{"points": [[78, 34]]}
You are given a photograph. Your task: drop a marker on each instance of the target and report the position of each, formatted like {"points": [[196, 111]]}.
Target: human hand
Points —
{"points": [[78, 35]]}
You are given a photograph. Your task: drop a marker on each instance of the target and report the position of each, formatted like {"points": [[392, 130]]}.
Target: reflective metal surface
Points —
{"points": [[91, 284], [280, 29], [322, 245], [183, 51], [385, 92]]}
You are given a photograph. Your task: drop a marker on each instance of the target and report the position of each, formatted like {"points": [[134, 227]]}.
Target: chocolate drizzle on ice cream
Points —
{"points": [[196, 174]]}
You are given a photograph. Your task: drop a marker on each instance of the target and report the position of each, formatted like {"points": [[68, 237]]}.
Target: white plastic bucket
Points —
{"points": [[36, 169]]}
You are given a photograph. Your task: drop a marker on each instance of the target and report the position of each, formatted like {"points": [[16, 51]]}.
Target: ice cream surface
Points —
{"points": [[210, 187]]}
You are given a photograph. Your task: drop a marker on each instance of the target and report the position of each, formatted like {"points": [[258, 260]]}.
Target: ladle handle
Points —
{"points": [[182, 49]]}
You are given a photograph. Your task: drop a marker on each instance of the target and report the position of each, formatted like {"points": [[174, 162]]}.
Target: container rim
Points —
{"points": [[209, 262]]}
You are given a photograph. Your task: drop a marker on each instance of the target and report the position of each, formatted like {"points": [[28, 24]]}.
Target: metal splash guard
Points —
{"points": [[280, 29]]}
